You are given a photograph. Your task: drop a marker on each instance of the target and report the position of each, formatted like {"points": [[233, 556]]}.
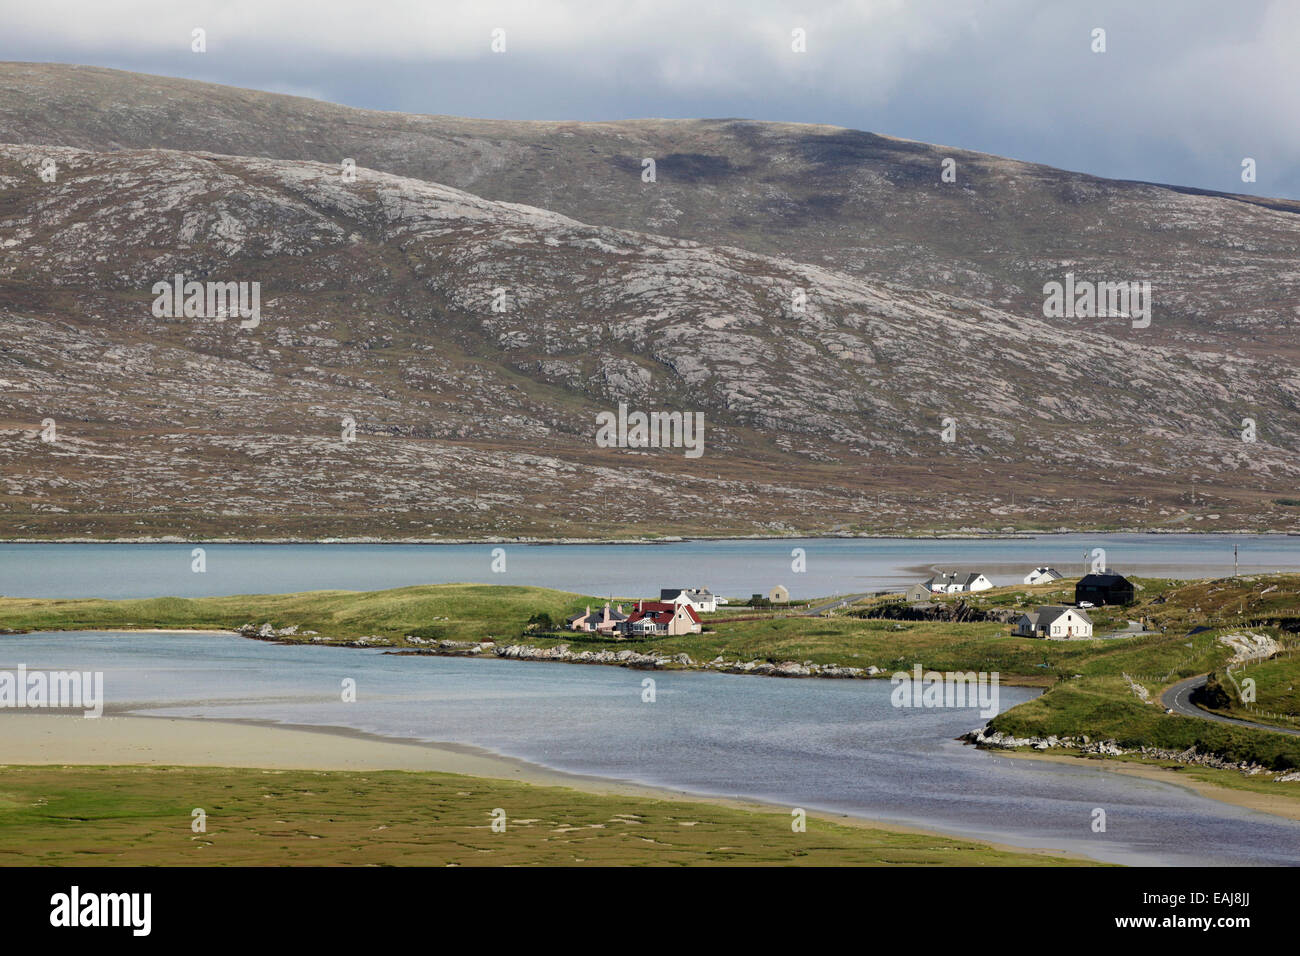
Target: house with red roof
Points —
{"points": [[653, 618]]}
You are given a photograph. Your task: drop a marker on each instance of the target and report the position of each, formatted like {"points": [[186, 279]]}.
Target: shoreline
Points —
{"points": [[1278, 806], [542, 656], [132, 739], [666, 539]]}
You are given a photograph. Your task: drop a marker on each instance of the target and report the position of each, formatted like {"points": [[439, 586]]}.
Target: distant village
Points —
{"points": [[1051, 621], [676, 612], [680, 610]]}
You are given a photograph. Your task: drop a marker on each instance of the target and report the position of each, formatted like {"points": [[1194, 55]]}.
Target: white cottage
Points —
{"points": [[954, 583], [1042, 575], [1054, 621], [701, 600]]}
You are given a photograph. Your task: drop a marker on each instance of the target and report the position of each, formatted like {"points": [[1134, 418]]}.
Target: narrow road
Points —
{"points": [[1178, 698]]}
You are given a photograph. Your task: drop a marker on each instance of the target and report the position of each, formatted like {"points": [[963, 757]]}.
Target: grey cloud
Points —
{"points": [[1183, 93]]}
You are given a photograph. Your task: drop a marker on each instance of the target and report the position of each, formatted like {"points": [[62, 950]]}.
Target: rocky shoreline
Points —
{"points": [[561, 653], [988, 739], [977, 534], [970, 534]]}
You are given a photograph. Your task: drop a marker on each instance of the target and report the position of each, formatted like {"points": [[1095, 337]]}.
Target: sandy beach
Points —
{"points": [[69, 740], [62, 739], [53, 738]]}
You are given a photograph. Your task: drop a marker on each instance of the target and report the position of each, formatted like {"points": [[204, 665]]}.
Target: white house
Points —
{"points": [[1042, 575], [952, 583], [701, 600], [1054, 621]]}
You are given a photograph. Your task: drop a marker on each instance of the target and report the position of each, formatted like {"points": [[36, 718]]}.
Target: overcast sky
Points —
{"points": [[1184, 92]]}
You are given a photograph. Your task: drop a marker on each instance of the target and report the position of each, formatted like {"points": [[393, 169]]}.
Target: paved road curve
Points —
{"points": [[1179, 697]]}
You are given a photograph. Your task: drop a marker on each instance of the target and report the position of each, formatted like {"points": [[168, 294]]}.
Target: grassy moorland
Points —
{"points": [[463, 612], [141, 816]]}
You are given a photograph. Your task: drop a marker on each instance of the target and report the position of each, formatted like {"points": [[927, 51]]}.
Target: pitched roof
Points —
{"points": [[1105, 579], [658, 617], [1048, 613], [662, 613], [655, 606], [670, 594]]}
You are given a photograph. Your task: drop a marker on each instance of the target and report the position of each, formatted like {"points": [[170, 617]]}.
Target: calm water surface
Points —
{"points": [[732, 568], [830, 745]]}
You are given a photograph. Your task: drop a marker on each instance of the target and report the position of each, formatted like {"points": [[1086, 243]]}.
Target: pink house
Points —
{"points": [[658, 617], [605, 621]]}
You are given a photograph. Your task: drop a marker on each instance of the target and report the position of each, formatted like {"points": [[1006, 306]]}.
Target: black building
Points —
{"points": [[1104, 589]]}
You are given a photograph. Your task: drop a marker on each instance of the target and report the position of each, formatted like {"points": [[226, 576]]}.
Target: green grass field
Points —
{"points": [[1105, 709], [1274, 684], [1096, 700], [456, 611], [134, 816]]}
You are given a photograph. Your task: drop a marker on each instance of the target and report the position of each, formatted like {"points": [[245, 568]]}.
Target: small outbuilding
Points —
{"points": [[779, 595], [918, 593]]}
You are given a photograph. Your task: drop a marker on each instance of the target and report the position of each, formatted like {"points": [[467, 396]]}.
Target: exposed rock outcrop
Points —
{"points": [[960, 612], [991, 739]]}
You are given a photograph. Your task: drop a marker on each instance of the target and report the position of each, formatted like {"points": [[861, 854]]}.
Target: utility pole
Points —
{"points": [[1234, 560]]}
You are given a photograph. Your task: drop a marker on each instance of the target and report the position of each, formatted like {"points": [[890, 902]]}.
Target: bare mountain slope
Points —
{"points": [[1224, 268], [376, 305]]}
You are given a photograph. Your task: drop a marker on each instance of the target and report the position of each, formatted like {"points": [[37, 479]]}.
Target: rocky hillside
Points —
{"points": [[377, 307], [1224, 268]]}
